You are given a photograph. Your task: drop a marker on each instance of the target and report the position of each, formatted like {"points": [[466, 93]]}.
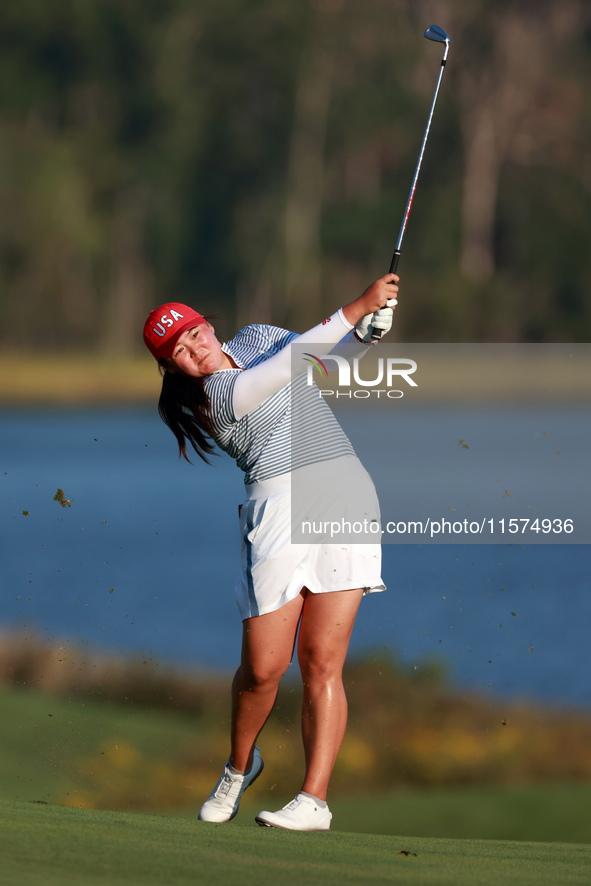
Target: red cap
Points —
{"points": [[165, 324]]}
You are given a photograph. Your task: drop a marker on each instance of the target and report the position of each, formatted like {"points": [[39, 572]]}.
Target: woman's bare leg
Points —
{"points": [[267, 648], [326, 625]]}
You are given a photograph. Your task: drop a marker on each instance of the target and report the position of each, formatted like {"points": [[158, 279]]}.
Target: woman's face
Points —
{"points": [[198, 352]]}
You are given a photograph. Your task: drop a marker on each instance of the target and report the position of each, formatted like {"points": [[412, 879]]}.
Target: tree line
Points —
{"points": [[253, 158]]}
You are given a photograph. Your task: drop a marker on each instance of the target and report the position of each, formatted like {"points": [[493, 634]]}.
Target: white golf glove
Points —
{"points": [[382, 319]]}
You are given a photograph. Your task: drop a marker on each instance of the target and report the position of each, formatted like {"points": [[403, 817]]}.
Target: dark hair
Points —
{"points": [[184, 407]]}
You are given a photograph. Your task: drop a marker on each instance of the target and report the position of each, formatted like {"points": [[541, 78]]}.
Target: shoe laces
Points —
{"points": [[226, 785], [223, 788], [293, 805]]}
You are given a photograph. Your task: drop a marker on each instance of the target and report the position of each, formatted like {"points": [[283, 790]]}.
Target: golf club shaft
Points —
{"points": [[377, 333]]}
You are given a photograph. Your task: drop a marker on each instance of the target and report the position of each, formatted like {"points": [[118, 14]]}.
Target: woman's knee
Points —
{"points": [[261, 675], [319, 665]]}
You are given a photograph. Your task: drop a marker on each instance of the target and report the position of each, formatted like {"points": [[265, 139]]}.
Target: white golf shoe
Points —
{"points": [[302, 814], [222, 804]]}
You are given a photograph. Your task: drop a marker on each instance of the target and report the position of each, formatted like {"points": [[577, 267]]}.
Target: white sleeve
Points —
{"points": [[345, 348], [254, 386]]}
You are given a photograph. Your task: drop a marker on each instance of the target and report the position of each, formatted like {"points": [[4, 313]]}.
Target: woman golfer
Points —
{"points": [[240, 394]]}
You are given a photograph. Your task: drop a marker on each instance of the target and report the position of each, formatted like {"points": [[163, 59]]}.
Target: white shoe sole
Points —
{"points": [[267, 824]]}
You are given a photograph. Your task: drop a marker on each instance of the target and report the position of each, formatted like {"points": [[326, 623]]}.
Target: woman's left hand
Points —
{"points": [[381, 320]]}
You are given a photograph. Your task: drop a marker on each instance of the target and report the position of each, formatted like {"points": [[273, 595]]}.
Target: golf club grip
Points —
{"points": [[394, 262], [377, 333]]}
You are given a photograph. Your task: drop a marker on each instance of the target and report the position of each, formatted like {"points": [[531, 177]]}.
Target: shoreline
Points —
{"points": [[75, 380]]}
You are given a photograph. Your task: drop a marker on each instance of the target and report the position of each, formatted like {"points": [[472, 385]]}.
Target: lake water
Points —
{"points": [[144, 562]]}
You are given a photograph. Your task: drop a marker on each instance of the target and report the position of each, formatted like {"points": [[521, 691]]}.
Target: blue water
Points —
{"points": [[144, 562]]}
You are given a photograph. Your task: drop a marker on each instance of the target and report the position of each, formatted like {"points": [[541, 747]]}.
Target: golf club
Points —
{"points": [[439, 36]]}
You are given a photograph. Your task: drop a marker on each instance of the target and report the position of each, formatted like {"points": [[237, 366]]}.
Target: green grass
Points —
{"points": [[549, 813], [44, 739], [52, 846], [525, 812]]}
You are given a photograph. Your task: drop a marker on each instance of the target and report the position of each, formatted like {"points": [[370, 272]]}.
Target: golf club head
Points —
{"points": [[436, 33]]}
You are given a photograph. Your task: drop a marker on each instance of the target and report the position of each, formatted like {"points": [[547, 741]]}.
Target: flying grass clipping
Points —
{"points": [[61, 498]]}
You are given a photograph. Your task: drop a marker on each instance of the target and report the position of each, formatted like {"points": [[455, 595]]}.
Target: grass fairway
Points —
{"points": [[50, 845], [556, 813], [73, 752]]}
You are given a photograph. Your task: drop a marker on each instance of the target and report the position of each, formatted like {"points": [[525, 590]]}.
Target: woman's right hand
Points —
{"points": [[375, 297]]}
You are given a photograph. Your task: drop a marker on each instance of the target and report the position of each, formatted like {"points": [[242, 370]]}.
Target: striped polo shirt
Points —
{"points": [[291, 429]]}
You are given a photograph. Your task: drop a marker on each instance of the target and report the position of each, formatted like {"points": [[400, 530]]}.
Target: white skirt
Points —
{"points": [[273, 570]]}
